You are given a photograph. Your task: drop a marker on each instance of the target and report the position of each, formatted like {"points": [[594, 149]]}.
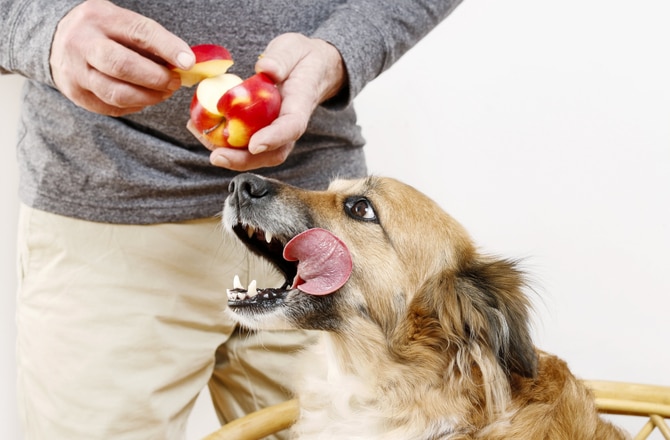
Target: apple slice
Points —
{"points": [[210, 60]]}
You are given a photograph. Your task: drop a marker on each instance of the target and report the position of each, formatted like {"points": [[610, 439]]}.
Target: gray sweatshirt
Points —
{"points": [[146, 167]]}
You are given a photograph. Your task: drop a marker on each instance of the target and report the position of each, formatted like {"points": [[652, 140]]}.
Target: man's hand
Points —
{"points": [[111, 61], [307, 72]]}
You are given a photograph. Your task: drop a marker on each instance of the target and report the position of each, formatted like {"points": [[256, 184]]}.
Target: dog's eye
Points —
{"points": [[360, 209]]}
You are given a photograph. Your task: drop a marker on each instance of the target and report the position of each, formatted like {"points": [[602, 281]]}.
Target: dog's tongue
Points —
{"points": [[324, 263]]}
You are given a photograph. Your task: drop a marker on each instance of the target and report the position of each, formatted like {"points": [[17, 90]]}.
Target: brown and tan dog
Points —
{"points": [[424, 337]]}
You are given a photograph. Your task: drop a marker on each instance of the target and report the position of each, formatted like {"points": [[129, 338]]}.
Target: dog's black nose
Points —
{"points": [[249, 186]]}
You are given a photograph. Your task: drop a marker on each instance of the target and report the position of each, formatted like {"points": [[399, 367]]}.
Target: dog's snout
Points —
{"points": [[249, 186]]}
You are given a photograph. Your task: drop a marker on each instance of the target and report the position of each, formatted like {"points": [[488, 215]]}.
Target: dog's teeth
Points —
{"points": [[250, 231], [251, 290], [236, 283], [235, 295], [268, 237]]}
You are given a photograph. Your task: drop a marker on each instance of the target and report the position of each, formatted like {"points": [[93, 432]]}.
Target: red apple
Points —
{"points": [[225, 109], [210, 60], [228, 111]]}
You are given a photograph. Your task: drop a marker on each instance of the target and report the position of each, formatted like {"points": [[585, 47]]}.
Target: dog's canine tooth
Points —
{"points": [[268, 237], [251, 290], [250, 231], [236, 283]]}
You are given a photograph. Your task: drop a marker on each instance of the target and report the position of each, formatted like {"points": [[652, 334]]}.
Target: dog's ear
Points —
{"points": [[480, 305], [495, 310]]}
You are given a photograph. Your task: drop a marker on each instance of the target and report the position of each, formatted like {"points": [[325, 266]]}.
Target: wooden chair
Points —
{"points": [[631, 399], [650, 401], [259, 424]]}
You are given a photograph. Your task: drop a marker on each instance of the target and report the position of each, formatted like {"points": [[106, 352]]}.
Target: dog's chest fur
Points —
{"points": [[340, 405]]}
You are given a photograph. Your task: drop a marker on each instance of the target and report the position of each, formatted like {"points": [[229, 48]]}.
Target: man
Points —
{"points": [[123, 266]]}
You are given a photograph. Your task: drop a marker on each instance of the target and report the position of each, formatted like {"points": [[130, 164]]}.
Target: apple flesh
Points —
{"points": [[228, 111], [210, 60]]}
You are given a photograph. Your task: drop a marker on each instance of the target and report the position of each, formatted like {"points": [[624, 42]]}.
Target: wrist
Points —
{"points": [[336, 78]]}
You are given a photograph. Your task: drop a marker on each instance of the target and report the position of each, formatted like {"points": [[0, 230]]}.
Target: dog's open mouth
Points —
{"points": [[315, 262]]}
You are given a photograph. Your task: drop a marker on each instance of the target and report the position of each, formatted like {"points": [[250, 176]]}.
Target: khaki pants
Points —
{"points": [[121, 326]]}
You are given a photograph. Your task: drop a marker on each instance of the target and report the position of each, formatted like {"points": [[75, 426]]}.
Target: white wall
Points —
{"points": [[9, 97], [544, 127]]}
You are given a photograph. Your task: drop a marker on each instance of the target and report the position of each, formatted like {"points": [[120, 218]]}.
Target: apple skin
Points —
{"points": [[208, 52], [205, 115], [242, 111], [210, 125], [248, 107]]}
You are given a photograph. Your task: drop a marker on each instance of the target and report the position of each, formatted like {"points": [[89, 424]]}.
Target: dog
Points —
{"points": [[423, 337]]}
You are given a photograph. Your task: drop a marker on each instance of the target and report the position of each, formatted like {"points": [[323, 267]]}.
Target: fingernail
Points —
{"points": [[259, 149], [185, 60], [220, 161]]}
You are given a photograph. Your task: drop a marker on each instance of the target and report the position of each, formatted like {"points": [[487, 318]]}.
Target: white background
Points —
{"points": [[544, 127]]}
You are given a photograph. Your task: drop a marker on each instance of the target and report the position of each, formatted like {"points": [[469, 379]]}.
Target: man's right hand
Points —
{"points": [[111, 61]]}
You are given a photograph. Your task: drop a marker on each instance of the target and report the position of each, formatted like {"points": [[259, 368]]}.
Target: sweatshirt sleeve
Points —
{"points": [[26, 32], [371, 35]]}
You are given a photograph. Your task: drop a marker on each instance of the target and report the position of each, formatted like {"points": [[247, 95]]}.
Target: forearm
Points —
{"points": [[26, 31], [371, 35]]}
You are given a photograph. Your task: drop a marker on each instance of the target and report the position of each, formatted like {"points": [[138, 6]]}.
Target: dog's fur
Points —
{"points": [[428, 339]]}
